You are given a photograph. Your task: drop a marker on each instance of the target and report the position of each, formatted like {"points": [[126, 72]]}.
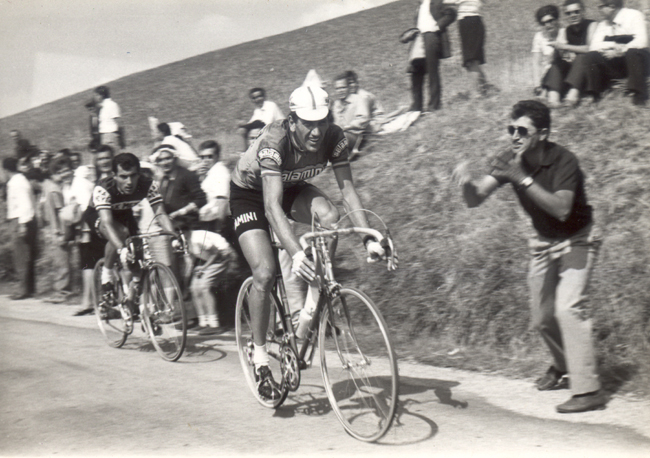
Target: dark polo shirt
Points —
{"points": [[558, 170]]}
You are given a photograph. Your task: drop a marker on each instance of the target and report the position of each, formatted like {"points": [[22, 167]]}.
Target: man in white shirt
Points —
{"points": [[175, 134], [351, 113], [109, 114], [433, 18], [376, 109], [265, 110], [618, 49], [215, 182], [21, 212]]}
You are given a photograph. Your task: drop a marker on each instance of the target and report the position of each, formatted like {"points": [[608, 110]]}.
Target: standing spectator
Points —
{"points": [[21, 213], [180, 189], [351, 113], [549, 70], [265, 111], [175, 134], [93, 125], [215, 182], [432, 21], [618, 49], [61, 213], [374, 106], [109, 115], [212, 255], [550, 187], [22, 147], [472, 38]]}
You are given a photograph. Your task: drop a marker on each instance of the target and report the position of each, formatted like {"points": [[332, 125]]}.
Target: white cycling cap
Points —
{"points": [[310, 103]]}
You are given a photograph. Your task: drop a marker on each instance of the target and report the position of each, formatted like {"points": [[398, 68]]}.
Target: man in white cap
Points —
{"points": [[268, 187]]}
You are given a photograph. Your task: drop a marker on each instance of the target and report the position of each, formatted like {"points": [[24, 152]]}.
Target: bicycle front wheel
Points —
{"points": [[358, 365], [164, 312], [110, 320], [245, 347]]}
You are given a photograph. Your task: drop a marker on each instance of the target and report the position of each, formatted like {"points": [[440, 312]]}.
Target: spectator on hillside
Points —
{"points": [[212, 255], [549, 69], [108, 115], [21, 213], [215, 182], [472, 38], [176, 135], [180, 189], [351, 113], [573, 43], [265, 111], [618, 49], [377, 112], [431, 44], [251, 131], [22, 147], [550, 186], [93, 125], [63, 213]]}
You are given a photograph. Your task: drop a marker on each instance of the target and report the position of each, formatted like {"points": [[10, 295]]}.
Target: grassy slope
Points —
{"points": [[462, 281]]}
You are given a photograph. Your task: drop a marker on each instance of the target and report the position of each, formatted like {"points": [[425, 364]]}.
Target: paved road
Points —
{"points": [[64, 392]]}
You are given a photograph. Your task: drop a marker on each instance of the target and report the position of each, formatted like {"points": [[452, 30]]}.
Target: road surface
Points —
{"points": [[64, 392]]}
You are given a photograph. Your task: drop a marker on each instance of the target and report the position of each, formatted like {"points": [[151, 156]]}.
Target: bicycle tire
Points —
{"points": [[245, 348], [112, 326], [164, 312], [358, 365]]}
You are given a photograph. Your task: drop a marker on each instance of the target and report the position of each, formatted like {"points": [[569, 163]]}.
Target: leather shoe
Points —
{"points": [[595, 400], [549, 380]]}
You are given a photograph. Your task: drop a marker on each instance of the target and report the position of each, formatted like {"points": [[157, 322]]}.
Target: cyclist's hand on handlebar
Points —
{"points": [[125, 256], [375, 251], [302, 266]]}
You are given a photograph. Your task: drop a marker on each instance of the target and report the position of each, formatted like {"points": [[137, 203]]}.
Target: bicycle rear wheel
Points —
{"points": [[164, 312], [245, 347], [112, 324], [358, 365]]}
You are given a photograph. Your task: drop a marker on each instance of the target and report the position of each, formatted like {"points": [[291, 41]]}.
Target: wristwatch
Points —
{"points": [[526, 182]]}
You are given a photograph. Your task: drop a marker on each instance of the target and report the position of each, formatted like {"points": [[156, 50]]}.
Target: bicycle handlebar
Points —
{"points": [[385, 241]]}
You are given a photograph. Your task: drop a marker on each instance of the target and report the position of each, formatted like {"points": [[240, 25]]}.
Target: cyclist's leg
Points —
{"points": [[310, 200]]}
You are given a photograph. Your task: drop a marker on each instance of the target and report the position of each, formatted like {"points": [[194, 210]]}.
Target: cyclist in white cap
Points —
{"points": [[268, 187]]}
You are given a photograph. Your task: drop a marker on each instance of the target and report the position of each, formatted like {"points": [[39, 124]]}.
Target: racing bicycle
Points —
{"points": [[156, 297], [357, 360]]}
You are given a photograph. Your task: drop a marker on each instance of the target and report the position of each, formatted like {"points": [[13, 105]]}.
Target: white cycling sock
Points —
{"points": [[260, 356], [212, 321], [107, 275]]}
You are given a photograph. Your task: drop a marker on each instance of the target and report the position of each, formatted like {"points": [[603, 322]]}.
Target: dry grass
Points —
{"points": [[460, 297]]}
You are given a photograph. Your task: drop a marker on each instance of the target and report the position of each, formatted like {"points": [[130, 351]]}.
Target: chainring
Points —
{"points": [[290, 367]]}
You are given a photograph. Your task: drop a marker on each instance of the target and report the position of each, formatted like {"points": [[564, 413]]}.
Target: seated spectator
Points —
{"points": [[377, 113], [212, 255], [215, 182], [618, 49], [175, 134], [265, 111], [62, 214], [549, 69], [351, 113], [574, 41]]}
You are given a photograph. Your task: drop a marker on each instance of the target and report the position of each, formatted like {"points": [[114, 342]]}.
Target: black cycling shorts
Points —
{"points": [[247, 206], [91, 217]]}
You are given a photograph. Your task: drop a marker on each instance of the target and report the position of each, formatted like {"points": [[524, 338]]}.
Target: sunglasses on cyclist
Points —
{"points": [[521, 130]]}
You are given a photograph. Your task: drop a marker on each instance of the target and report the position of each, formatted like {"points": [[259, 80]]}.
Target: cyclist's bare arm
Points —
{"points": [[110, 230], [161, 215], [351, 199], [273, 192]]}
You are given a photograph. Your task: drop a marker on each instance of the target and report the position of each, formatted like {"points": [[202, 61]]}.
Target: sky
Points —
{"points": [[53, 48]]}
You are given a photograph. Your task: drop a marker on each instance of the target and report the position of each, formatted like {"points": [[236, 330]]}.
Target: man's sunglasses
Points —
{"points": [[521, 130], [550, 21], [572, 12]]}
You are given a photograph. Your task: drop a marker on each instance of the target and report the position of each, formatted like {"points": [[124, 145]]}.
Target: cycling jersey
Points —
{"points": [[106, 196], [274, 153]]}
